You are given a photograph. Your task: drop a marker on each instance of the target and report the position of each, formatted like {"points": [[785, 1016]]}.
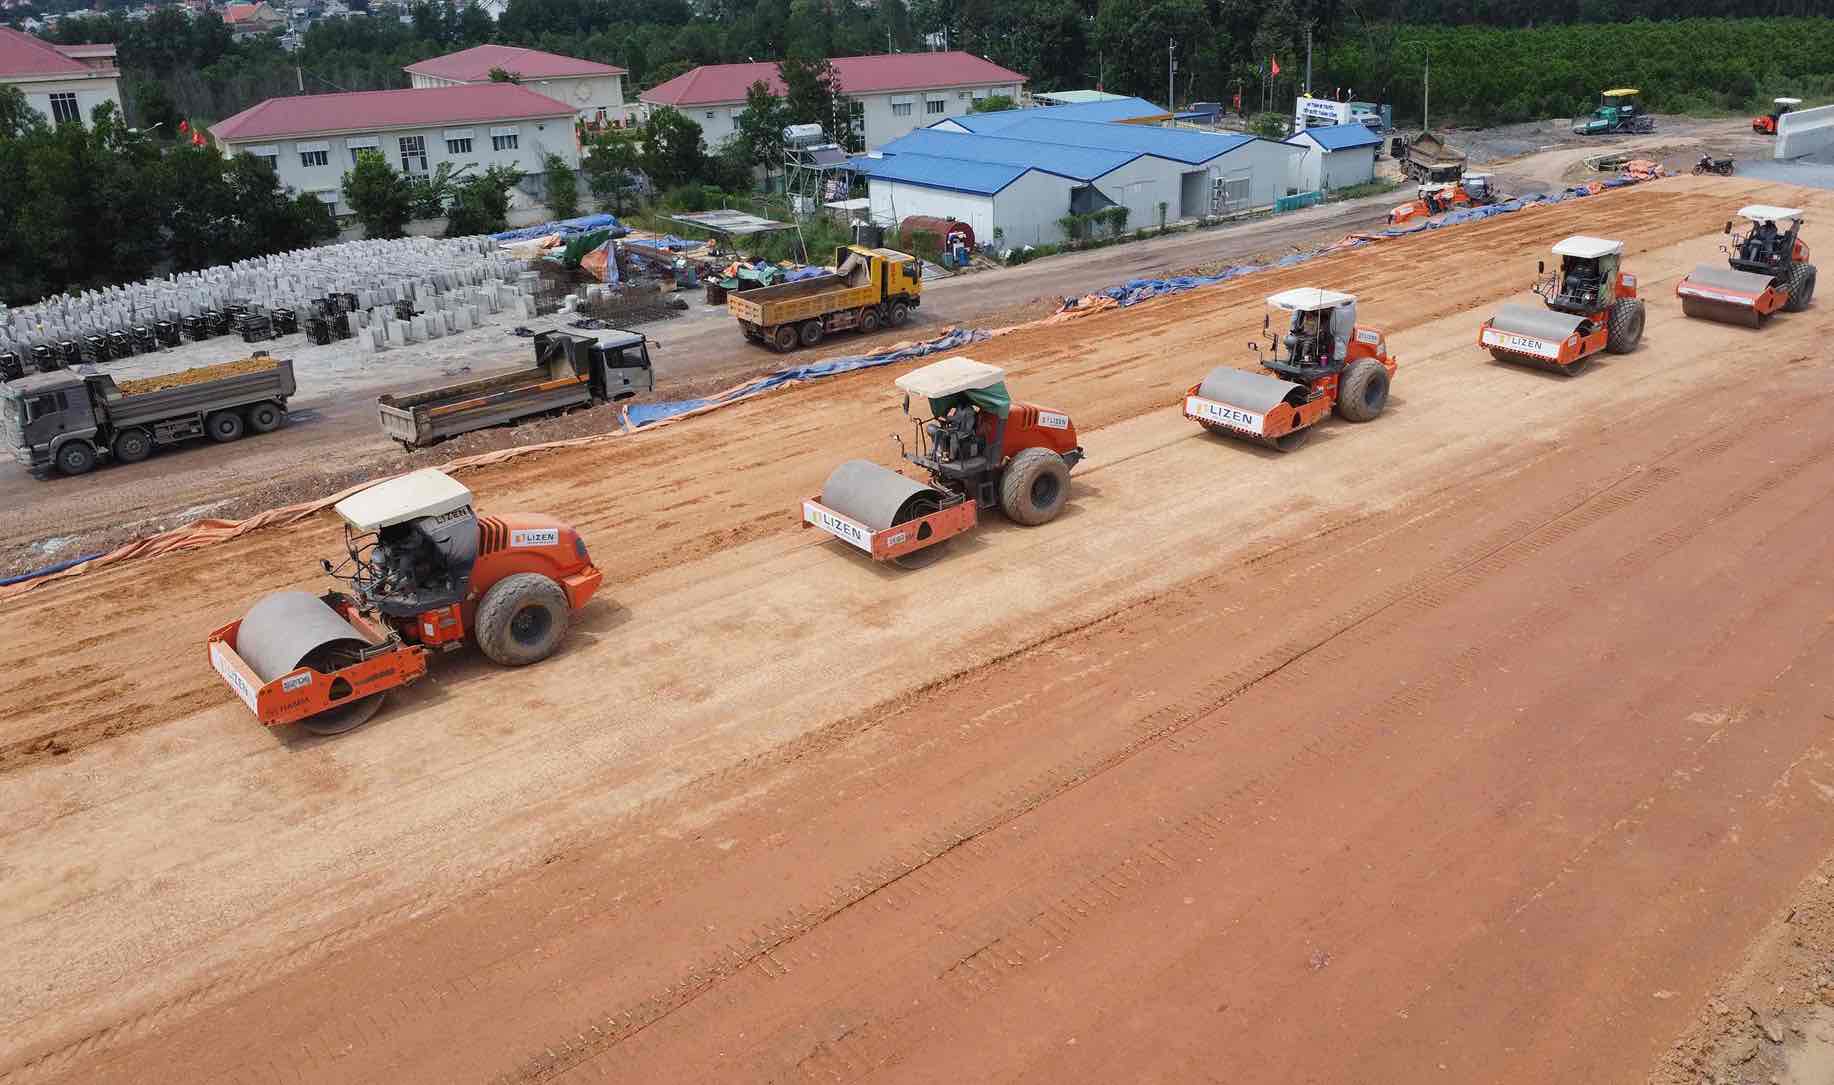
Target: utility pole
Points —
{"points": [[1171, 74], [1308, 59], [300, 75]]}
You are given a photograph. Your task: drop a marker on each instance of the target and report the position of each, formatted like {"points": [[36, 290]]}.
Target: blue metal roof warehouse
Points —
{"points": [[1336, 156], [1032, 167]]}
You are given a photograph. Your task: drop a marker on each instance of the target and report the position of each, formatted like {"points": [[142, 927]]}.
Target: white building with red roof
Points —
{"points": [[891, 94], [63, 82], [312, 139], [594, 90], [253, 20]]}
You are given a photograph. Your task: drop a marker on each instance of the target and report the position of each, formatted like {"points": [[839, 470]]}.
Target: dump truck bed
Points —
{"points": [[791, 303], [235, 389], [432, 414]]}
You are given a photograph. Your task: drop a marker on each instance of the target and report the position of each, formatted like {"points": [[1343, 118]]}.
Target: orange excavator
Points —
{"points": [[1470, 190], [426, 572]]}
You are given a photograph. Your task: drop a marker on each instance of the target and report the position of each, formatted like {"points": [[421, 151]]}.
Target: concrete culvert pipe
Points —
{"points": [[877, 496]]}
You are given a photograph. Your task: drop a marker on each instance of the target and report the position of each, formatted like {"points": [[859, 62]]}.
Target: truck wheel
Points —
{"points": [[133, 445], [810, 332], [1801, 288], [900, 313], [1626, 326], [76, 457], [1363, 392], [223, 426], [784, 338], [869, 319], [1034, 487], [522, 619], [265, 417]]}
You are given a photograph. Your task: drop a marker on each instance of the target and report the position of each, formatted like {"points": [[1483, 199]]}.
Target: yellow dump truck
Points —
{"points": [[867, 289]]}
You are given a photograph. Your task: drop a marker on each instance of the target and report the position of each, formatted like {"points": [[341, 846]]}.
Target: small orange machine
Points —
{"points": [[1331, 362], [425, 572], [1592, 305], [1766, 125], [1470, 190], [980, 450]]}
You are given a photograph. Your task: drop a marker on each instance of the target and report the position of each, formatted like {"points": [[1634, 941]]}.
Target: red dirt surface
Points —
{"points": [[1477, 742]]}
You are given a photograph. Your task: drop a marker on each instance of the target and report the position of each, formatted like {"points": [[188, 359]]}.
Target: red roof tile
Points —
{"points": [[474, 64], [365, 110], [712, 83], [23, 54]]}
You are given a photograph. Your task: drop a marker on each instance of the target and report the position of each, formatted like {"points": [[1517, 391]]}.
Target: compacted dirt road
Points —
{"points": [[1475, 742]]}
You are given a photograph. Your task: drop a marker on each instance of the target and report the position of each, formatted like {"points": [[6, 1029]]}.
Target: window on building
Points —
{"points": [[272, 160], [459, 146], [935, 105], [964, 95], [413, 154], [315, 158], [64, 110], [502, 141], [901, 109]]}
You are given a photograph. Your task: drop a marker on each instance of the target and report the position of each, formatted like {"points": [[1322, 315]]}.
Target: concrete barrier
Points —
{"points": [[1805, 132]]}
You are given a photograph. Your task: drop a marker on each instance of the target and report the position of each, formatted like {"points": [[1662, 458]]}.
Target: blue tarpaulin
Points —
{"points": [[1137, 290], [565, 228], [644, 414]]}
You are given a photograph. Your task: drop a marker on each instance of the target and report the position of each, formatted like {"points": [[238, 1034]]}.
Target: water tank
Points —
{"points": [[941, 227]]}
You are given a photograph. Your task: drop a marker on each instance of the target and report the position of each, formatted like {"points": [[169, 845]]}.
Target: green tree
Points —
{"points": [[480, 204], [674, 151], [382, 198], [504, 75], [611, 164], [562, 188], [812, 95], [993, 103], [761, 127], [1133, 34]]}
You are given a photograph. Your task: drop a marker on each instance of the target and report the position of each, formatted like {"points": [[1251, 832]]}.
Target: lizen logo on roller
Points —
{"points": [[534, 536], [1225, 414]]}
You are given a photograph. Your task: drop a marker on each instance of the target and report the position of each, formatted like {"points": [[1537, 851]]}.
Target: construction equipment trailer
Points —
{"points": [[1768, 270], [1332, 363], [1592, 305], [868, 289], [73, 419], [426, 572], [978, 449], [570, 370], [1617, 112]]}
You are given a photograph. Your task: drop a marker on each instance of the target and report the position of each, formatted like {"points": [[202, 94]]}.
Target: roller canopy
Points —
{"points": [[1540, 323], [1255, 392], [952, 381], [427, 492]]}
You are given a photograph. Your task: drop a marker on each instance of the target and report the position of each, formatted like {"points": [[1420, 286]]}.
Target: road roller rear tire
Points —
{"points": [[1626, 326], [1034, 487], [1363, 392], [522, 619], [1801, 288]]}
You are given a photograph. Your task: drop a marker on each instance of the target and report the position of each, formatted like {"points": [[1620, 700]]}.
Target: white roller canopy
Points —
{"points": [[427, 492], [950, 377], [1587, 248]]}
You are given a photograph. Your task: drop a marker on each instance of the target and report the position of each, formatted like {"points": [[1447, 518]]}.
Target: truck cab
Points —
{"points": [[892, 273], [615, 362], [40, 412]]}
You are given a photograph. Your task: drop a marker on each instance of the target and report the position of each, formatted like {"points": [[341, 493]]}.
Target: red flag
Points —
{"points": [[184, 126], [197, 139], [1275, 61], [1238, 101]]}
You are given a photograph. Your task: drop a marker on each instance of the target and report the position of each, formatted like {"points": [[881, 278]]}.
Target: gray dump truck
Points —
{"points": [[570, 370], [73, 419]]}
